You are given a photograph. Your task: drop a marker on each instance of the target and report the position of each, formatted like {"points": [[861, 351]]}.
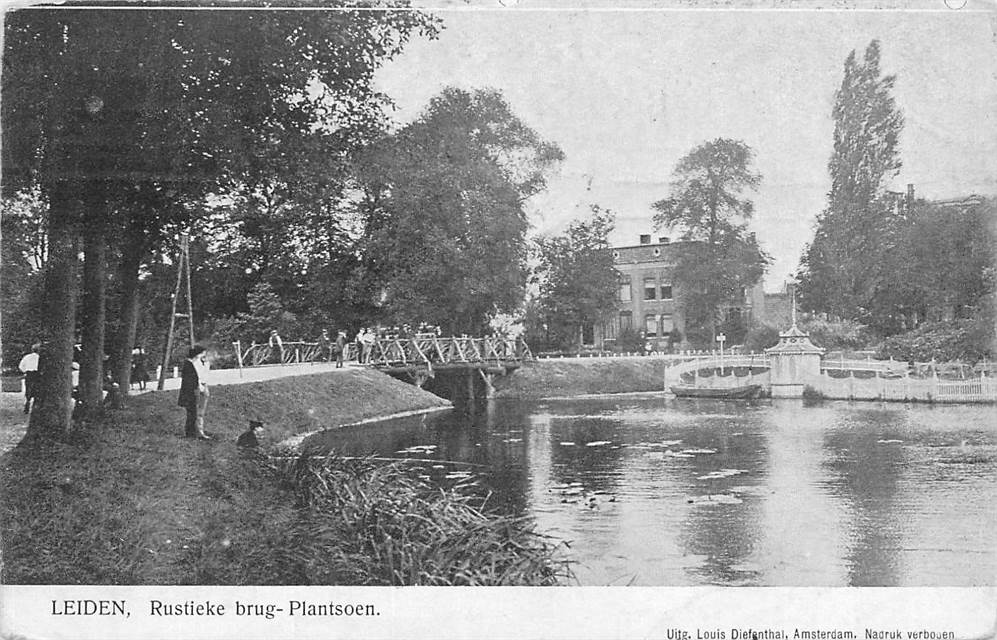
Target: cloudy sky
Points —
{"points": [[626, 93]]}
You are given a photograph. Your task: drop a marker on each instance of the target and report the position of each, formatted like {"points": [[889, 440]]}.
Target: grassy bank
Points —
{"points": [[571, 377], [127, 501]]}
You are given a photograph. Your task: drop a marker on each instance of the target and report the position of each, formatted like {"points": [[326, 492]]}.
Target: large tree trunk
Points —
{"points": [[93, 313], [53, 410], [131, 261]]}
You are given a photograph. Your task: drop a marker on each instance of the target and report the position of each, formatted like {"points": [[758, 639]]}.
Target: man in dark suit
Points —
{"points": [[194, 393]]}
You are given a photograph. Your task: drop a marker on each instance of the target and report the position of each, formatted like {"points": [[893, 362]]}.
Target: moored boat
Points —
{"points": [[733, 393]]}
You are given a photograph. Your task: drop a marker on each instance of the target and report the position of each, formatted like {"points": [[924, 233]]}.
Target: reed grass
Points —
{"points": [[370, 523]]}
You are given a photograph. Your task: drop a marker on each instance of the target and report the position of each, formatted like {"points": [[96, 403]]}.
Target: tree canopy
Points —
{"points": [[443, 205], [576, 278], [708, 207], [105, 109], [844, 270]]}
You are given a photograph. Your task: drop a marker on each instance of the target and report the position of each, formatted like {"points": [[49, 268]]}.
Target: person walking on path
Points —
{"points": [[29, 367], [340, 348], [276, 346], [194, 392], [325, 346], [140, 374]]}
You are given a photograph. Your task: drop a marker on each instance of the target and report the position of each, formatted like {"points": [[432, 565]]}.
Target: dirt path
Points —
{"points": [[13, 421]]}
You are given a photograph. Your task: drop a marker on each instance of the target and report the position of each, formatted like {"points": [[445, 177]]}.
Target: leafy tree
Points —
{"points": [[707, 206], [265, 313], [951, 258], [99, 105], [24, 246], [578, 282], [843, 270], [445, 227]]}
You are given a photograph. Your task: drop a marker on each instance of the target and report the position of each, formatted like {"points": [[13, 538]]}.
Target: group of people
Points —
{"points": [[29, 366]]}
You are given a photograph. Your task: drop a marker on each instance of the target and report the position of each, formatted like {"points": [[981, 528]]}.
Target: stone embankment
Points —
{"points": [[582, 376]]}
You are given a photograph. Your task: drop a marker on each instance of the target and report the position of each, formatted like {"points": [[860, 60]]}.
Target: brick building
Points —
{"points": [[650, 297]]}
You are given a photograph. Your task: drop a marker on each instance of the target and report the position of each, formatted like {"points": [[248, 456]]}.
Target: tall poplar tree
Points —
{"points": [[843, 269]]}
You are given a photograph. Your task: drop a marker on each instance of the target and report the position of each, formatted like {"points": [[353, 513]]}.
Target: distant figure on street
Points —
{"points": [[325, 347], [140, 371], [276, 347], [194, 392], [340, 348], [29, 367]]}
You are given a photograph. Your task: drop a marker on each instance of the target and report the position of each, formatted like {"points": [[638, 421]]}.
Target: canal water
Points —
{"points": [[653, 490]]}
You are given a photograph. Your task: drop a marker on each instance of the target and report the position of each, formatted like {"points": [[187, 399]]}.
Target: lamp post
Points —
{"points": [[721, 338]]}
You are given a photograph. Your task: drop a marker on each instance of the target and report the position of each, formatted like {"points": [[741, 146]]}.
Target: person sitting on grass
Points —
{"points": [[194, 392]]}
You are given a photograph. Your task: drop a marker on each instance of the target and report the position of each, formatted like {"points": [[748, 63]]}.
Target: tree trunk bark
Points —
{"points": [[93, 312], [131, 261], [53, 411]]}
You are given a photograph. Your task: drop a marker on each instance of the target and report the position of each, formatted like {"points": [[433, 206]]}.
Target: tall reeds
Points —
{"points": [[369, 523]]}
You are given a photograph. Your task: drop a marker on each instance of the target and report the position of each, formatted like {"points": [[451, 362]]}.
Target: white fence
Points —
{"points": [[931, 389]]}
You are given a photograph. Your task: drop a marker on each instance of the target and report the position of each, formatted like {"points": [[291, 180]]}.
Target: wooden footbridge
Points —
{"points": [[434, 353], [419, 357]]}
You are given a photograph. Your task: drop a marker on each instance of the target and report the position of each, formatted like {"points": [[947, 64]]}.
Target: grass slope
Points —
{"points": [[569, 377], [130, 502]]}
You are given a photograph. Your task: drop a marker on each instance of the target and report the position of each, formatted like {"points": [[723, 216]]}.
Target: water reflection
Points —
{"points": [[659, 491]]}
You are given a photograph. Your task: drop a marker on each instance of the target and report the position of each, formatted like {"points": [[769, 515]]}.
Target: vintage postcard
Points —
{"points": [[499, 319]]}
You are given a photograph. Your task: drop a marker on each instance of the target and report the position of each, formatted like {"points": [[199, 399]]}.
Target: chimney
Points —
{"points": [[645, 238], [664, 240]]}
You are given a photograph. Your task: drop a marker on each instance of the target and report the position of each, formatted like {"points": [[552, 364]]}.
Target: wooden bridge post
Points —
{"points": [[238, 354], [489, 387]]}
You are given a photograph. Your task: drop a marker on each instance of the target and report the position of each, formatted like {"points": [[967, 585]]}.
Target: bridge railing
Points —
{"points": [[434, 350], [289, 353], [417, 351]]}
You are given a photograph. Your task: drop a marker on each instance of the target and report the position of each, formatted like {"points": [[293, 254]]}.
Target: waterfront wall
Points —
{"points": [[581, 376], [906, 388]]}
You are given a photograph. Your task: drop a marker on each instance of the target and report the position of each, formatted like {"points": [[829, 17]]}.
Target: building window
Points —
{"points": [[651, 326], [667, 324], [625, 290], [626, 320], [666, 292], [650, 289]]}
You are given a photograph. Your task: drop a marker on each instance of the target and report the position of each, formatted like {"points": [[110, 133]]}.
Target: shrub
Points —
{"points": [[629, 341], [963, 340], [811, 393], [761, 337], [835, 335]]}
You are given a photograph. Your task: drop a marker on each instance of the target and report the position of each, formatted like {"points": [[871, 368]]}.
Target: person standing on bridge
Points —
{"points": [[340, 348], [367, 342], [325, 346], [276, 347]]}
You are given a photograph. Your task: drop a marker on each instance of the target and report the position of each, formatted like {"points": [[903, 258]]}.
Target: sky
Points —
{"points": [[627, 93]]}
